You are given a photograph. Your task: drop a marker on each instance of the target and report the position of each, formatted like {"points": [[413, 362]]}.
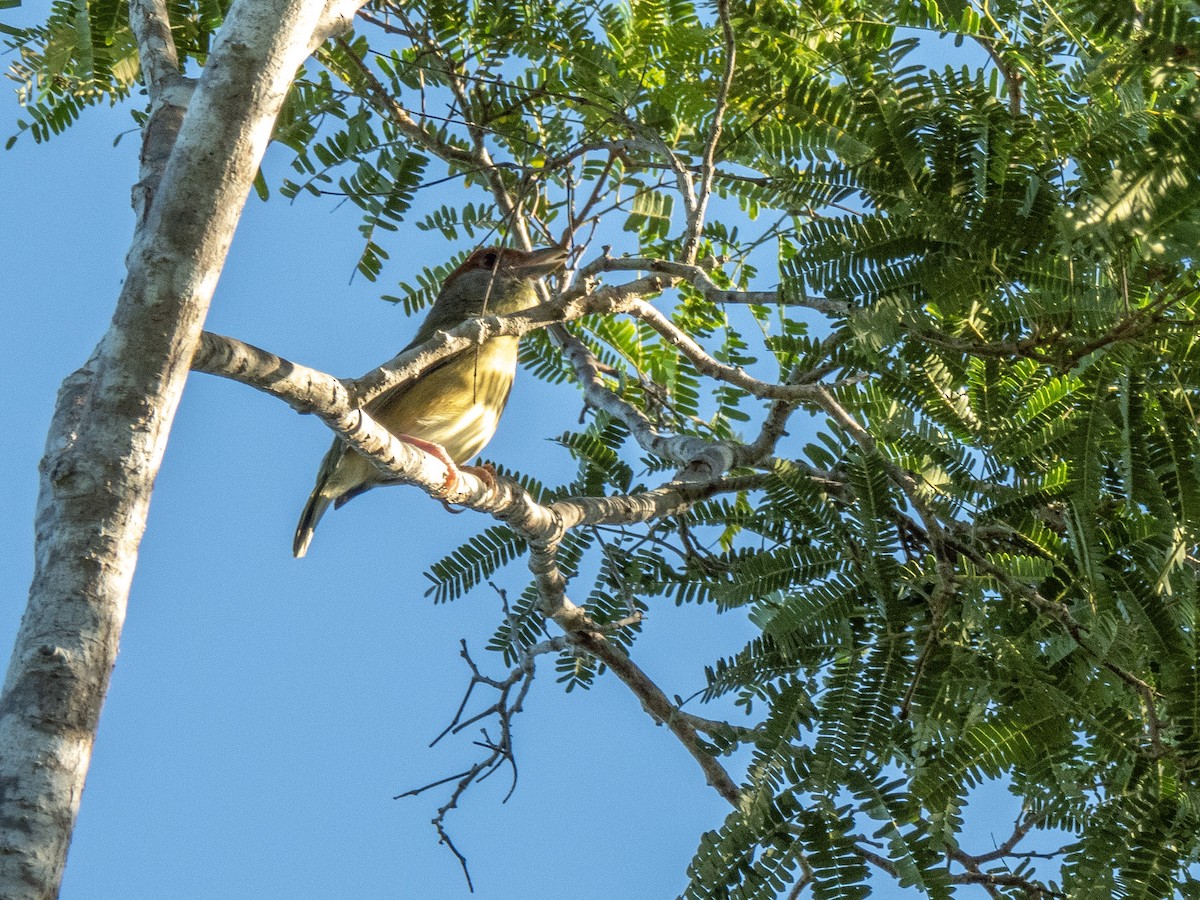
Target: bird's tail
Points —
{"points": [[318, 502]]}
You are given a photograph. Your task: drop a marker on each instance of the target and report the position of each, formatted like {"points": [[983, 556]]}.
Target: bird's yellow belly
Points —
{"points": [[457, 405], [463, 433]]}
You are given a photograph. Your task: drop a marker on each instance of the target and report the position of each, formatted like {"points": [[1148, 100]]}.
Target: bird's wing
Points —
{"points": [[387, 408]]}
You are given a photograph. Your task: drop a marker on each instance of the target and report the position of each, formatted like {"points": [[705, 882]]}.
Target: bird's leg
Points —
{"points": [[438, 452], [485, 473]]}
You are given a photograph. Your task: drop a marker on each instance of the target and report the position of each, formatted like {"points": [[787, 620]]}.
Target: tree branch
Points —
{"points": [[698, 277], [657, 704], [706, 365], [699, 457], [151, 27], [337, 18]]}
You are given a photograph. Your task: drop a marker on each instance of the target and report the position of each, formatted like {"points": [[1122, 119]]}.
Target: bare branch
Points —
{"points": [[880, 862], [338, 18], [1023, 826], [652, 142], [802, 882], [310, 391], [718, 728], [1012, 77], [169, 94], [773, 427], [1032, 889], [500, 750], [669, 499]]}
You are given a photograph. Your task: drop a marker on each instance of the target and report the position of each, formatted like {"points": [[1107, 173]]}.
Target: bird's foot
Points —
{"points": [[438, 452], [485, 473]]}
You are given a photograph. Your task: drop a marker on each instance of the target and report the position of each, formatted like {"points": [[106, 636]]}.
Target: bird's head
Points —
{"points": [[494, 281]]}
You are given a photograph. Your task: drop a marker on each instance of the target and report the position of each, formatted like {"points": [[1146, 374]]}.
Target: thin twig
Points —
{"points": [[695, 222], [500, 750], [400, 117], [698, 277]]}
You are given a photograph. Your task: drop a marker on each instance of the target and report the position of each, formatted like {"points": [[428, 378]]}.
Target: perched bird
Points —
{"points": [[452, 409]]}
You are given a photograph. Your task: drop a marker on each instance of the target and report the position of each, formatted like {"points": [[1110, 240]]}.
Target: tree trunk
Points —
{"points": [[111, 424]]}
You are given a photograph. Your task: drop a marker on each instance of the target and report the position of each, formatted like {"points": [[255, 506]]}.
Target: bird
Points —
{"points": [[451, 410]]}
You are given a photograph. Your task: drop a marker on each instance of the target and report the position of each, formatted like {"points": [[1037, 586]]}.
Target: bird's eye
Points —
{"points": [[489, 259]]}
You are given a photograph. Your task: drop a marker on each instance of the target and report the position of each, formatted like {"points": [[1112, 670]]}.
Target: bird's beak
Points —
{"points": [[541, 262]]}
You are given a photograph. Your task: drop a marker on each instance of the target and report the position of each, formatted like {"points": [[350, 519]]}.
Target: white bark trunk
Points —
{"points": [[109, 432]]}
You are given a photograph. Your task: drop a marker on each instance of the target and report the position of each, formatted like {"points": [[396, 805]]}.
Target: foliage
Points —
{"points": [[978, 564], [84, 54]]}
